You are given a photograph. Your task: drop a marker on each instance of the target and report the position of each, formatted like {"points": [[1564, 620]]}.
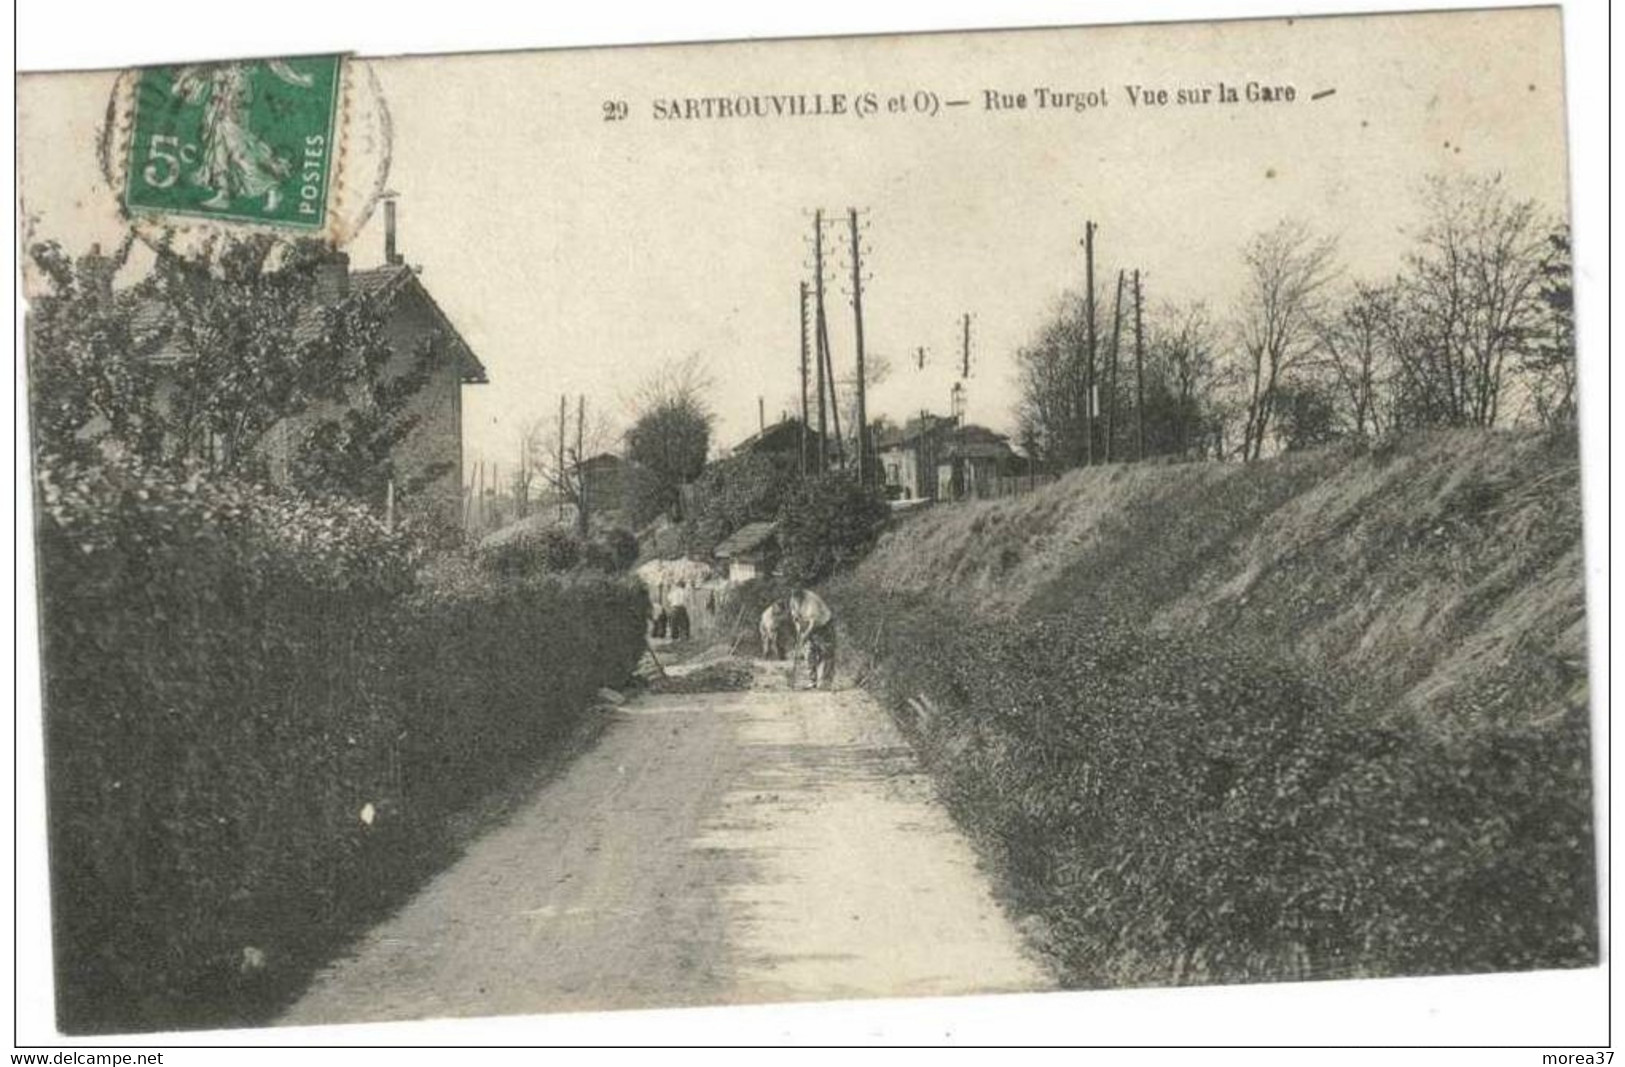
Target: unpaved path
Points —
{"points": [[718, 848]]}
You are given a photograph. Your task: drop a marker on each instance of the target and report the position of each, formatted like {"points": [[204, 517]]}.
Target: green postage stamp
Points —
{"points": [[250, 140]]}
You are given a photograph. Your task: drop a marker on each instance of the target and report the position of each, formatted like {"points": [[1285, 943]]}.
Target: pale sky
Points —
{"points": [[576, 255]]}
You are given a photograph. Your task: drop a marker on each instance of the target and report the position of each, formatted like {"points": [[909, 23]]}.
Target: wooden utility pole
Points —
{"points": [[1139, 369], [964, 349], [864, 471], [1089, 342], [581, 463], [820, 339], [922, 457], [521, 487], [805, 355], [761, 414], [834, 407], [564, 474], [1111, 375]]}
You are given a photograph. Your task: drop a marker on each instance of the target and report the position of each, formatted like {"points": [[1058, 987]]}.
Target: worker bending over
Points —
{"points": [[815, 636]]}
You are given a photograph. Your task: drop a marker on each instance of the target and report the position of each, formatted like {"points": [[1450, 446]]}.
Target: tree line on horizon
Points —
{"points": [[1476, 329]]}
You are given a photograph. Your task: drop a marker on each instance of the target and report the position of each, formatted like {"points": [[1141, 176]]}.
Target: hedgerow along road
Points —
{"points": [[711, 848]]}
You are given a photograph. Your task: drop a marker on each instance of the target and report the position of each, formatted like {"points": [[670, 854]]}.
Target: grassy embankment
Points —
{"points": [[1315, 717]]}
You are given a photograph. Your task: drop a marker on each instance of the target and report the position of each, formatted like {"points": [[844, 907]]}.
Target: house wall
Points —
{"points": [[906, 462], [437, 439], [606, 487]]}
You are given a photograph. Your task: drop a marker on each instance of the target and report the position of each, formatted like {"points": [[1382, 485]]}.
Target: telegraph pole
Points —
{"points": [[521, 488], [923, 460], [1111, 379], [864, 472], [564, 422], [581, 470], [1139, 368], [964, 357], [1089, 341], [821, 338], [805, 345], [834, 408]]}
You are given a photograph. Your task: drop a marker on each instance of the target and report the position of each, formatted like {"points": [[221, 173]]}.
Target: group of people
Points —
{"points": [[671, 618], [800, 624]]}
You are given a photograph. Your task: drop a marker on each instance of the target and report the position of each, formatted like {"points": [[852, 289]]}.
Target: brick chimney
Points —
{"points": [[333, 278], [391, 255]]}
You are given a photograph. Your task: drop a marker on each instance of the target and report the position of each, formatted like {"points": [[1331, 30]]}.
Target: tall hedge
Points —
{"points": [[1181, 808], [258, 722]]}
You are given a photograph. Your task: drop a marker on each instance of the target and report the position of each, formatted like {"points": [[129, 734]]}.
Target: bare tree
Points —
{"points": [[685, 380], [877, 368], [1288, 271], [1357, 352], [1183, 374], [559, 451], [1474, 290], [1550, 361], [1050, 410]]}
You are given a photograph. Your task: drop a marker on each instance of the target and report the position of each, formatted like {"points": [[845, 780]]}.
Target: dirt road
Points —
{"points": [[709, 849]]}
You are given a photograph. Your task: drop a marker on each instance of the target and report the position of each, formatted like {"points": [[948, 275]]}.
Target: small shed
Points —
{"points": [[750, 551]]}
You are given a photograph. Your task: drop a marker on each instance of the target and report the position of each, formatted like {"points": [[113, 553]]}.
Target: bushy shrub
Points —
{"points": [[554, 550], [529, 552], [258, 722], [612, 550], [1181, 808], [825, 524], [732, 493]]}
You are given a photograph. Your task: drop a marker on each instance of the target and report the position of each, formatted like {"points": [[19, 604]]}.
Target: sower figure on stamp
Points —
{"points": [[815, 637], [235, 160]]}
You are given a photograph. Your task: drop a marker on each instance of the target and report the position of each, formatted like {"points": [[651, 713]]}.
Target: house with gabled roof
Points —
{"points": [[937, 458], [783, 438], [432, 452], [435, 443], [750, 551]]}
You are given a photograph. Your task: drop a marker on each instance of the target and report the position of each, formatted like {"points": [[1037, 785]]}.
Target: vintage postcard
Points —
{"points": [[901, 516]]}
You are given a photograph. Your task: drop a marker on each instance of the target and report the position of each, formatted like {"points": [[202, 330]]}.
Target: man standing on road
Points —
{"points": [[679, 612], [815, 635]]}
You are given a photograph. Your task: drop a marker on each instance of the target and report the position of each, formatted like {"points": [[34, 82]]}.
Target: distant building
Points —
{"points": [[783, 438], [749, 552], [935, 458], [908, 458], [604, 477], [973, 461]]}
